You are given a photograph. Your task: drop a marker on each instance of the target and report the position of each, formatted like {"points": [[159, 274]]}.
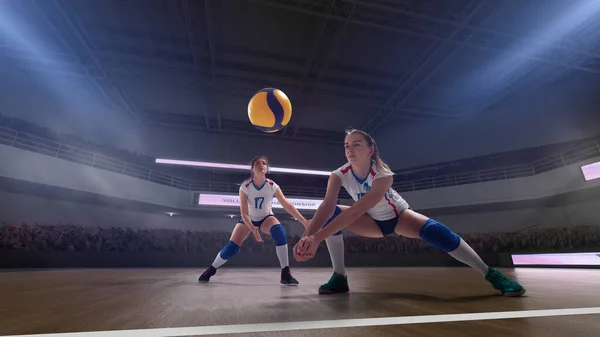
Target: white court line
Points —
{"points": [[331, 324]]}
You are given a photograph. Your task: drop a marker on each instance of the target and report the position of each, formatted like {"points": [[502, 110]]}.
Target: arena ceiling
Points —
{"points": [[372, 64]]}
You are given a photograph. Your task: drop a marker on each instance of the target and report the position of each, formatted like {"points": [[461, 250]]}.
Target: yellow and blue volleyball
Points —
{"points": [[269, 110]]}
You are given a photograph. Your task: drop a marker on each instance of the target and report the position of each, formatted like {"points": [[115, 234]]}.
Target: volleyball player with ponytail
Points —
{"points": [[256, 195], [379, 211]]}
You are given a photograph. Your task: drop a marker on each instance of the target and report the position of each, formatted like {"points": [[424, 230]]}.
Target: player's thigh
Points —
{"points": [[410, 223], [269, 222], [239, 234], [363, 226]]}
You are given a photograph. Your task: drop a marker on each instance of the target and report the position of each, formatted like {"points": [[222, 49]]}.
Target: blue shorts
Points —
{"points": [[387, 227], [256, 223]]}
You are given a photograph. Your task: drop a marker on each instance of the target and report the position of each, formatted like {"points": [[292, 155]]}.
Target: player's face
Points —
{"points": [[260, 166], [357, 149]]}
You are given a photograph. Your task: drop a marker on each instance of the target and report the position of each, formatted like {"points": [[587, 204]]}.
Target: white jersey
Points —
{"points": [[259, 198], [389, 207]]}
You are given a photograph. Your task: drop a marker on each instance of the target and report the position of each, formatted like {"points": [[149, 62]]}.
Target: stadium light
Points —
{"points": [[239, 167]]}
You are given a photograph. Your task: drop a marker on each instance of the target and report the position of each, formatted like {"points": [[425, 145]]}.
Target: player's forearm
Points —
{"points": [[323, 213], [340, 222], [247, 221], [347, 217], [293, 212]]}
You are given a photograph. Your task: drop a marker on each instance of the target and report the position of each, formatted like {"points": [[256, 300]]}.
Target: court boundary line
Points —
{"points": [[325, 324]]}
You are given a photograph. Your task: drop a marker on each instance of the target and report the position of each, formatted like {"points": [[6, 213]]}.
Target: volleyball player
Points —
{"points": [[379, 211], [256, 195]]}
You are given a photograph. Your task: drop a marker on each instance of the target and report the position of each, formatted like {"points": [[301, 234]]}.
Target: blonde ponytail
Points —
{"points": [[381, 165]]}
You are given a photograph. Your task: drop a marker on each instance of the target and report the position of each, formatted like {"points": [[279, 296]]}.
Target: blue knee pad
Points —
{"points": [[439, 236], [278, 234], [337, 212], [229, 250]]}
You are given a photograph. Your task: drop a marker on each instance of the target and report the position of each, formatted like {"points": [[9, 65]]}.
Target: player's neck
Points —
{"points": [[259, 180], [361, 171]]}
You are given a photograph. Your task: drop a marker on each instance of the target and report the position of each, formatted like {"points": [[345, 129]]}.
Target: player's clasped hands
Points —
{"points": [[306, 248]]}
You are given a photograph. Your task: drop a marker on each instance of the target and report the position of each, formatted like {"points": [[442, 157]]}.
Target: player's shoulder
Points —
{"points": [[272, 183], [343, 170], [246, 183], [377, 172]]}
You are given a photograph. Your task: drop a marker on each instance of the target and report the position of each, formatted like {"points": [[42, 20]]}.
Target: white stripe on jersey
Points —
{"points": [[389, 207], [259, 198]]}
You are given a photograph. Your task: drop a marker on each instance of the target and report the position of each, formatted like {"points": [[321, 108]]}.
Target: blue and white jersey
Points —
{"points": [[389, 207], [259, 198]]}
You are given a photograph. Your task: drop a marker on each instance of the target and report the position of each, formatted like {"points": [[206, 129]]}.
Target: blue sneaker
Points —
{"points": [[500, 282]]}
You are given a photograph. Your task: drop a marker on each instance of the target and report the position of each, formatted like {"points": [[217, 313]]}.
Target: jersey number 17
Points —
{"points": [[258, 202]]}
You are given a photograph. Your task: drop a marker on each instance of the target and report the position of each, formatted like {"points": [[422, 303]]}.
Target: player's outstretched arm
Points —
{"points": [[327, 207], [307, 246], [348, 216], [288, 207]]}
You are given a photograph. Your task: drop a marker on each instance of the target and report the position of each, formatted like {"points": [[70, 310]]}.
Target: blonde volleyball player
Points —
{"points": [[379, 211], [256, 195]]}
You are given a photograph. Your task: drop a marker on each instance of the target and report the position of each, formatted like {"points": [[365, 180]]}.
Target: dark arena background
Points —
{"points": [[487, 111]]}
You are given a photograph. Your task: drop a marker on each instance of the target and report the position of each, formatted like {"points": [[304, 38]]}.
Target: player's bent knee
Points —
{"points": [[337, 212], [278, 234], [230, 249], [438, 235]]}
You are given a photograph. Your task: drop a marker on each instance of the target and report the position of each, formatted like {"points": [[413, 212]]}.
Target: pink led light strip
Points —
{"points": [[591, 171], [239, 167], [558, 259]]}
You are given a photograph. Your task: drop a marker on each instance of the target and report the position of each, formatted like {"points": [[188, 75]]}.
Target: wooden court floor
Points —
{"points": [[251, 302]]}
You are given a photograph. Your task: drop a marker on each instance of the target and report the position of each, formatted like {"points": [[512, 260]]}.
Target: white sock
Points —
{"points": [[282, 255], [219, 261], [335, 246], [465, 254]]}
